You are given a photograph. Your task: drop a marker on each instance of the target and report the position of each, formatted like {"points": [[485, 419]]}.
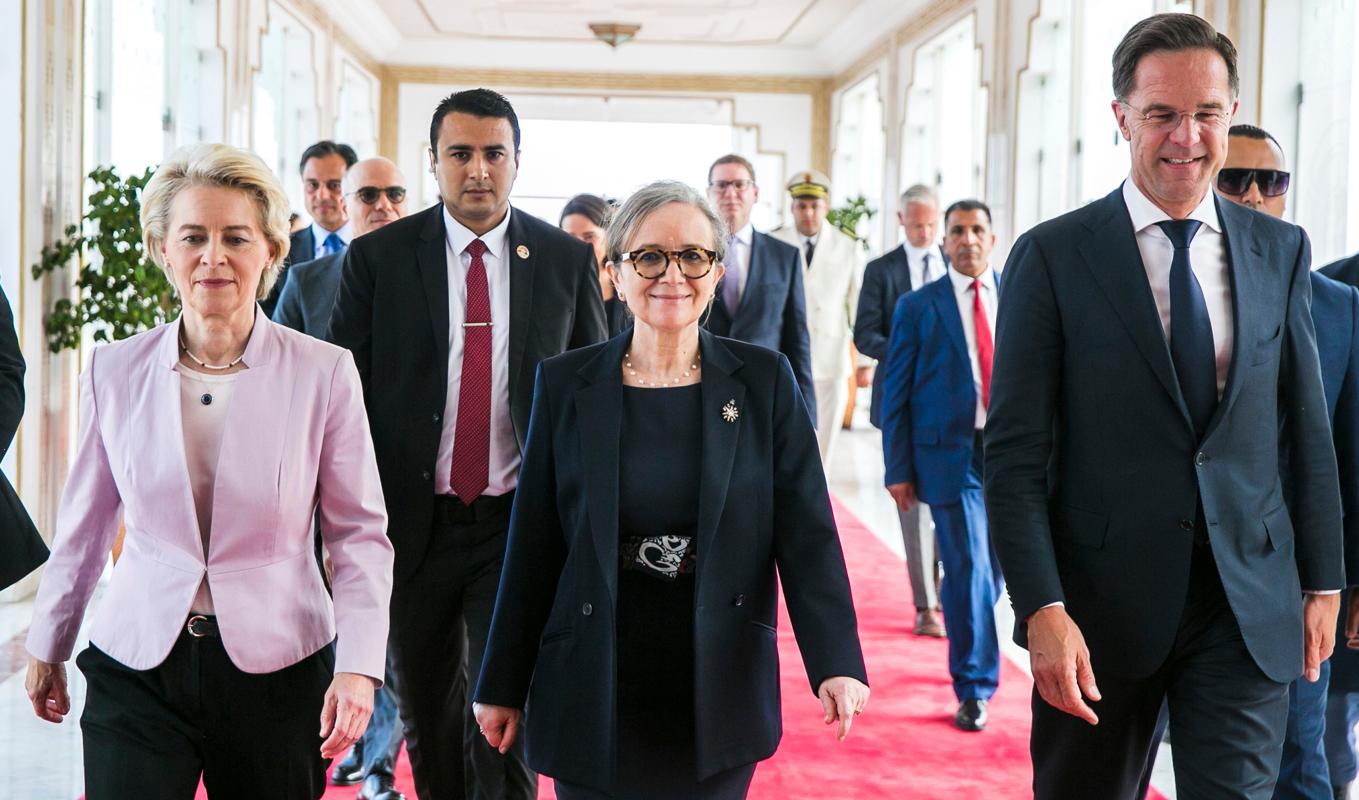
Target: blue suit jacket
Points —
{"points": [[773, 310], [762, 505], [301, 248], [309, 297], [1094, 473], [929, 408], [886, 279]]}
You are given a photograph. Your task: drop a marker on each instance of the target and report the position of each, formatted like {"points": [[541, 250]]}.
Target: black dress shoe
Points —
{"points": [[971, 716], [349, 771], [379, 787]]}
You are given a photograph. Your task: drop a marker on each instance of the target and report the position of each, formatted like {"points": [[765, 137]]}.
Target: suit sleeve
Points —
{"points": [[351, 322], [856, 282], [1021, 427], [1317, 521], [354, 528], [807, 547], [534, 559], [288, 312], [868, 322], [795, 342], [87, 522], [11, 377], [897, 384], [1346, 434], [591, 324]]}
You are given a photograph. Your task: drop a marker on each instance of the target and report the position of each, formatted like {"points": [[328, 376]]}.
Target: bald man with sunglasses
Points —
{"points": [[375, 191]]}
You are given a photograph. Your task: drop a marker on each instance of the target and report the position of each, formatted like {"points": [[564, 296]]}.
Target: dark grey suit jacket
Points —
{"points": [[309, 297], [1094, 473], [301, 248], [21, 548]]}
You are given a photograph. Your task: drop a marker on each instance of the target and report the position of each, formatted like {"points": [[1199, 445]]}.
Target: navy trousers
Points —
{"points": [[1303, 773], [384, 736], [970, 589]]}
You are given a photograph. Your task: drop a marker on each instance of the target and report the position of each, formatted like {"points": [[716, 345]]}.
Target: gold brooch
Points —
{"points": [[729, 411], [521, 251]]}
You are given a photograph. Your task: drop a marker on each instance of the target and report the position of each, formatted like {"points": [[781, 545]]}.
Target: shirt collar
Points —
{"points": [[962, 283], [345, 232], [1145, 213], [459, 236], [744, 235], [914, 253]]}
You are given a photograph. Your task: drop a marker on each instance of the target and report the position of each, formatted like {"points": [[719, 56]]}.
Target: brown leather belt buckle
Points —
{"points": [[200, 626]]}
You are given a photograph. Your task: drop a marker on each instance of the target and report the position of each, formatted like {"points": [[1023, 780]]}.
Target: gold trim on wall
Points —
{"points": [[916, 27], [324, 21]]}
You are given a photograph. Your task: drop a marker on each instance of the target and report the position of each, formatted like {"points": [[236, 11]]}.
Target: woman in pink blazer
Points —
{"points": [[213, 439]]}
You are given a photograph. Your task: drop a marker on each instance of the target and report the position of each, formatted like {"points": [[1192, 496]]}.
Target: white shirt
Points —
{"points": [[809, 241], [962, 292], [1207, 257], [319, 236], [739, 254], [203, 425], [915, 261], [504, 463]]}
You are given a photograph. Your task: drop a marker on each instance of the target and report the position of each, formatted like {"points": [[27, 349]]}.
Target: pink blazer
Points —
{"points": [[296, 435]]}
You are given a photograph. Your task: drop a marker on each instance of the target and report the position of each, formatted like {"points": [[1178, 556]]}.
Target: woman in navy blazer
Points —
{"points": [[667, 473]]}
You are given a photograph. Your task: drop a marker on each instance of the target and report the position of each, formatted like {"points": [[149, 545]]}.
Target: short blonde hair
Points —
{"points": [[228, 167]]}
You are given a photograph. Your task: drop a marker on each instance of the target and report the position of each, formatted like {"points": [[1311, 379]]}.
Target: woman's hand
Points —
{"points": [[499, 724], [345, 711], [46, 687], [843, 699]]}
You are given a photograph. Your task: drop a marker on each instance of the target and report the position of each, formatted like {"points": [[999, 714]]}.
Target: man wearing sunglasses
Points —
{"points": [[375, 191], [1253, 174]]}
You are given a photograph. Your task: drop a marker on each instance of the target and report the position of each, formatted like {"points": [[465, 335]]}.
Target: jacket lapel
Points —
{"points": [[946, 305], [521, 290], [432, 256], [721, 395], [599, 414], [1111, 254], [169, 430], [1244, 264]]}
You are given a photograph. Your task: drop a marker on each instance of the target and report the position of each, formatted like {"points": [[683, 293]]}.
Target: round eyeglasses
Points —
{"points": [[652, 262]]}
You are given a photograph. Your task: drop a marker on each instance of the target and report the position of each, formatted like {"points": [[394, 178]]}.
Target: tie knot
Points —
{"points": [[334, 243], [476, 248], [1180, 232], [977, 285]]}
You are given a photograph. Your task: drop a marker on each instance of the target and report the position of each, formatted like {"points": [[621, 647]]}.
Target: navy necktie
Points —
{"points": [[1191, 330]]}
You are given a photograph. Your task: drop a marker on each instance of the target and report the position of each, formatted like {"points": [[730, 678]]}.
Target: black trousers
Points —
{"points": [[150, 734], [1227, 718], [440, 620]]}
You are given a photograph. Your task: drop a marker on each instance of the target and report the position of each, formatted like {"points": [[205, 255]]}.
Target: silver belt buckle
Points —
{"points": [[192, 626]]}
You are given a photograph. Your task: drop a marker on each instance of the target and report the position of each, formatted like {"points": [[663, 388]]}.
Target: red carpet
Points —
{"points": [[904, 747]]}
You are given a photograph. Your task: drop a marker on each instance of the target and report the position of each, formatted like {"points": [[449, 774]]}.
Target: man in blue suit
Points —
{"points": [[917, 261], [1253, 175], [760, 300], [936, 390], [1154, 352]]}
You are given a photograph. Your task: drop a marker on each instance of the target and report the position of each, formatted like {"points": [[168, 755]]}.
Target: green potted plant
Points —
{"points": [[848, 217], [119, 289]]}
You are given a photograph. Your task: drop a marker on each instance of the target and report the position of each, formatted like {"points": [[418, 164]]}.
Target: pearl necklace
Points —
{"points": [[185, 347], [640, 381]]}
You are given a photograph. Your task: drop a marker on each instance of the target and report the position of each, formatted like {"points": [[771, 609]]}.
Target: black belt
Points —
{"points": [[200, 626], [450, 509]]}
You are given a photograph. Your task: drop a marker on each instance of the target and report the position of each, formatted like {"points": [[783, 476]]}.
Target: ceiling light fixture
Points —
{"points": [[613, 33]]}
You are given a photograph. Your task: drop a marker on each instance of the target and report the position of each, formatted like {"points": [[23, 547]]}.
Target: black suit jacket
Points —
{"points": [[1093, 470], [886, 279], [392, 312], [773, 310], [21, 548], [308, 299], [301, 249], [762, 504]]}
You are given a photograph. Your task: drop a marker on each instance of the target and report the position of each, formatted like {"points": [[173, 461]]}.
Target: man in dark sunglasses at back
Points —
{"points": [[1254, 174], [375, 192]]}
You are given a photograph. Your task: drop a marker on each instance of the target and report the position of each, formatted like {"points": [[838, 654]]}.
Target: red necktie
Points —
{"points": [[472, 435], [986, 347]]}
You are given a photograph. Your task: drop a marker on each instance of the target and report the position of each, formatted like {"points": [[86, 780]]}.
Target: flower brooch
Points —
{"points": [[730, 412]]}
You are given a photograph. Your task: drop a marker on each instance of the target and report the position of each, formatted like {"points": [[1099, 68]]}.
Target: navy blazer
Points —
{"points": [[1094, 473], [21, 548], [773, 310], [886, 279], [309, 297], [929, 411], [301, 248], [1346, 270], [763, 504]]}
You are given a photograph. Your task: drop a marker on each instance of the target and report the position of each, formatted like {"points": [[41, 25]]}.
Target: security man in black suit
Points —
{"points": [[448, 312], [21, 548], [1154, 351]]}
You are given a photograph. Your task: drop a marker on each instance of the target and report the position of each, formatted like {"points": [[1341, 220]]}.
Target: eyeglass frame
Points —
{"points": [[381, 190], [1254, 179], [1144, 118], [670, 256], [739, 184]]}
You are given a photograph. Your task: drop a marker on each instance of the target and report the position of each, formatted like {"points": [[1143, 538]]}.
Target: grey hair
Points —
{"points": [[919, 193], [645, 201]]}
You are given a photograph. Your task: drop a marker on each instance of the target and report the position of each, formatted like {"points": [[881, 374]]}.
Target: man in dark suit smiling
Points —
{"points": [[448, 312]]}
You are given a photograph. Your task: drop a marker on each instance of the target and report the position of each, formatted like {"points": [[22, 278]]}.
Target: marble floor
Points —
{"points": [[41, 760]]}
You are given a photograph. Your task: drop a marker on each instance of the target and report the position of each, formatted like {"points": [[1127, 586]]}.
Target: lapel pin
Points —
{"points": [[730, 412], [521, 251]]}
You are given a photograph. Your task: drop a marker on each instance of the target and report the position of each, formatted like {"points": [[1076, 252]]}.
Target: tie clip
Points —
{"points": [[476, 324]]}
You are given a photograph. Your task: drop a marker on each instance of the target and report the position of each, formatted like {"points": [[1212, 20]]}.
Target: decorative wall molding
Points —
{"points": [[929, 18]]}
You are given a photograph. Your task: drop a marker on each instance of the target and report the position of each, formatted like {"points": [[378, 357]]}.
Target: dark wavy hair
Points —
{"points": [[592, 207], [482, 103]]}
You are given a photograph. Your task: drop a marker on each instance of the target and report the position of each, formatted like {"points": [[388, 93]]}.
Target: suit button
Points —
{"points": [[1186, 525], [424, 475], [739, 600], [587, 609], [436, 417], [1201, 459]]}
